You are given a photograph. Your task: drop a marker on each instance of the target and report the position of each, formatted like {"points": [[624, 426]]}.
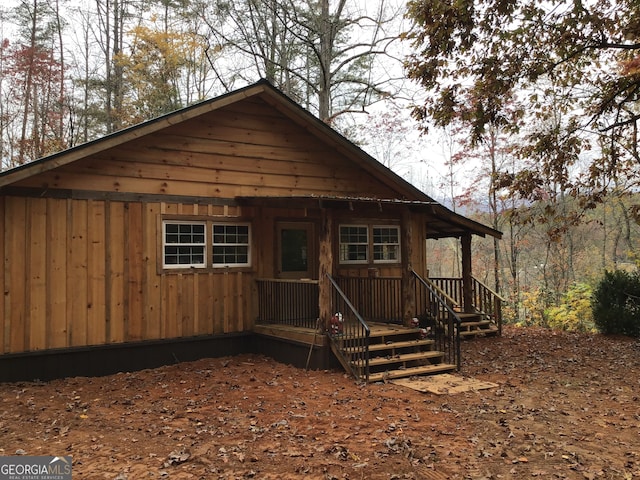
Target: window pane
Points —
{"points": [[385, 252], [230, 245], [386, 244], [354, 243], [184, 244]]}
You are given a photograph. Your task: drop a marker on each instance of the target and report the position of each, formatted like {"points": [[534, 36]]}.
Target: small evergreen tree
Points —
{"points": [[616, 303]]}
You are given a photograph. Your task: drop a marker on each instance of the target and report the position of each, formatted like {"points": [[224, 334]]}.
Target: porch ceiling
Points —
{"points": [[441, 222]]}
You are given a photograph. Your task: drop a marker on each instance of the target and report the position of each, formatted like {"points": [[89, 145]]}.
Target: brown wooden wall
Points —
{"points": [[245, 149], [84, 272]]}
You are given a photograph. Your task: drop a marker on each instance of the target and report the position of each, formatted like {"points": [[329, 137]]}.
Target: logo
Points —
{"points": [[25, 467]]}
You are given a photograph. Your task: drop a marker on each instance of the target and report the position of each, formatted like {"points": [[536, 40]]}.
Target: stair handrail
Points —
{"points": [[350, 333], [489, 289], [441, 293], [452, 333], [494, 313]]}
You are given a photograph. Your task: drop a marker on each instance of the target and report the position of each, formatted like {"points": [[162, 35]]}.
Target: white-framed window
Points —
{"points": [[184, 244], [366, 244], [231, 245], [386, 244], [205, 243], [354, 244]]}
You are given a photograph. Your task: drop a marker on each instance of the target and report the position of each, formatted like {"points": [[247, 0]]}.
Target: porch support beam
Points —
{"points": [[408, 290], [325, 266], [467, 279]]}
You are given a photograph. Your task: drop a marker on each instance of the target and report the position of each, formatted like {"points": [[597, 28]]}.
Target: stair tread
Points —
{"points": [[484, 331], [388, 346], [391, 331], [410, 372], [406, 357], [476, 324]]}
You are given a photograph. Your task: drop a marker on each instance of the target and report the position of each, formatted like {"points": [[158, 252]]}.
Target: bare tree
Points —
{"points": [[321, 53]]}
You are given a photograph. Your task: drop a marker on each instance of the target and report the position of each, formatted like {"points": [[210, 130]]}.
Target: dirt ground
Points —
{"points": [[566, 406]]}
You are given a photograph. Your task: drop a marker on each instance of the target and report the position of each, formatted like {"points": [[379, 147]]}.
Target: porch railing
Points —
{"points": [[288, 302], [378, 299], [349, 334], [489, 303], [485, 301], [438, 315]]}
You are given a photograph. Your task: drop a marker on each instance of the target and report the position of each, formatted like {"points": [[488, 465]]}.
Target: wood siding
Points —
{"points": [[245, 149], [84, 272]]}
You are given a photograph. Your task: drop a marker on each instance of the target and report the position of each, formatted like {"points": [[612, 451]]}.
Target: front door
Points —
{"points": [[296, 252]]}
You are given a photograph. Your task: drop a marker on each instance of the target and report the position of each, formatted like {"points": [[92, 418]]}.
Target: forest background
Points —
{"points": [[520, 114]]}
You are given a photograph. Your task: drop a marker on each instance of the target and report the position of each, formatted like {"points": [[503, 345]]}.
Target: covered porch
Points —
{"points": [[367, 303]]}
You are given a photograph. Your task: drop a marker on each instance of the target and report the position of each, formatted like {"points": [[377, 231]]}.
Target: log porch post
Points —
{"points": [[467, 279], [408, 292], [325, 266]]}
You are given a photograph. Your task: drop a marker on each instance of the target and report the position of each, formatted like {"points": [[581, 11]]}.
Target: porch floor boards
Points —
{"points": [[302, 335]]}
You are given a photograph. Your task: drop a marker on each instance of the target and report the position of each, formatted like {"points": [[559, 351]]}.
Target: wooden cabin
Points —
{"points": [[239, 224]]}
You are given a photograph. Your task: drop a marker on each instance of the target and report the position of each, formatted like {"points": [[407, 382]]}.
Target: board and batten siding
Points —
{"points": [[81, 265], [85, 272]]}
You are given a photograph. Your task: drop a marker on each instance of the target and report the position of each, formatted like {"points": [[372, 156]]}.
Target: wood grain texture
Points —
{"points": [[77, 274], [36, 275], [15, 278], [4, 323], [242, 150], [56, 234]]}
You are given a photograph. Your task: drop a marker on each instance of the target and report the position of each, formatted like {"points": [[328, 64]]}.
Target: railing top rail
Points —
{"points": [[437, 289], [350, 305], [491, 291], [287, 280]]}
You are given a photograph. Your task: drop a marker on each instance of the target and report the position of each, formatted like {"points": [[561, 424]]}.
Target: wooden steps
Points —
{"points": [[394, 346], [397, 352], [404, 358], [472, 325], [411, 372]]}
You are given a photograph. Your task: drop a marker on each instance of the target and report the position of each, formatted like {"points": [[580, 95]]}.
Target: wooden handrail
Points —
{"points": [[350, 334], [491, 291], [452, 301], [447, 321], [286, 280]]}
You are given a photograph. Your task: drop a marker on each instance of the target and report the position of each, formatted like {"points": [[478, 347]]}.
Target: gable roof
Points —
{"points": [[283, 104]]}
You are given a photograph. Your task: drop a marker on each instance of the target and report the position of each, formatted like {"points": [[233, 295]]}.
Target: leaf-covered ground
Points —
{"points": [[567, 406]]}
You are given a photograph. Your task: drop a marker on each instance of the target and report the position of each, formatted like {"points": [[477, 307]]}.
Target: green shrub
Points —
{"points": [[616, 303]]}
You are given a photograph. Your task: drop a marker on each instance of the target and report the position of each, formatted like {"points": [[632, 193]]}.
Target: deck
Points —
{"points": [[365, 335], [306, 336]]}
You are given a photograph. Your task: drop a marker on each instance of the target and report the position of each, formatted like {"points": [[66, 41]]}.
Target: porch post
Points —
{"points": [[325, 266], [408, 292], [467, 280]]}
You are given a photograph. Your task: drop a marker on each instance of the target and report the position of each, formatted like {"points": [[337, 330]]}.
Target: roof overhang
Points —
{"points": [[441, 222]]}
